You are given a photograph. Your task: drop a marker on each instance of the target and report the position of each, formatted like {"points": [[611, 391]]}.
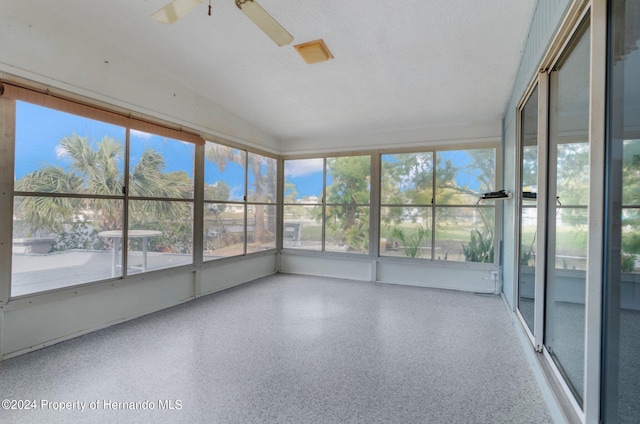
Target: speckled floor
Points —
{"points": [[289, 349]]}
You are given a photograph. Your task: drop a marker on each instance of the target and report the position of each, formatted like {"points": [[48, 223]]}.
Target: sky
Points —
{"points": [[307, 174], [39, 131]]}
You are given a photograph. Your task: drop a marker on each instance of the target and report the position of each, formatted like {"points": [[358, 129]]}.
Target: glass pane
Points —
{"points": [[347, 229], [407, 179], [160, 235], [57, 152], [224, 173], [303, 180], [622, 261], [405, 232], [571, 238], [223, 230], [464, 234], [57, 242], [567, 226], [263, 179], [462, 175], [302, 227], [630, 243], [631, 169], [348, 180], [573, 173], [261, 228], [527, 270], [160, 167], [528, 210]]}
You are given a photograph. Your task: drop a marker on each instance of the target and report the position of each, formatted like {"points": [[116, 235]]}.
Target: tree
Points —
{"points": [[631, 173], [219, 191], [630, 197], [263, 188], [407, 179], [94, 170], [573, 173], [349, 188], [454, 177], [43, 215], [460, 176], [530, 168]]}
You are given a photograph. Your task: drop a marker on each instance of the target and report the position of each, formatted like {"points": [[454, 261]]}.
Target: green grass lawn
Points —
{"points": [[567, 236]]}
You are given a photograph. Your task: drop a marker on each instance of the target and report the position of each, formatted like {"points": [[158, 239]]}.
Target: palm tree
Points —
{"points": [[47, 214], [221, 155], [95, 170]]}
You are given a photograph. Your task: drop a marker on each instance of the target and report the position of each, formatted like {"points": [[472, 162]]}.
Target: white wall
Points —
{"points": [[509, 231], [219, 276], [436, 274], [477, 132], [335, 267], [453, 276], [46, 48]]}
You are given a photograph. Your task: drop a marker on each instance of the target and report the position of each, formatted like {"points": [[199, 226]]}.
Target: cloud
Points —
{"points": [[236, 192], [141, 134], [302, 167], [61, 152]]}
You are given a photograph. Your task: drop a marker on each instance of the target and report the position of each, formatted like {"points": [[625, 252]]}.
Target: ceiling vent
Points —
{"points": [[314, 51]]}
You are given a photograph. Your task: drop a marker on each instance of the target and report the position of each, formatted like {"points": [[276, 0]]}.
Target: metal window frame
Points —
{"points": [[578, 10], [578, 20], [7, 155], [496, 206], [324, 205], [595, 241], [245, 202], [538, 83]]}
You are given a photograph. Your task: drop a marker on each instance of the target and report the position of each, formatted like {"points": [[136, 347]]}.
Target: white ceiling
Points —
{"points": [[398, 65]]}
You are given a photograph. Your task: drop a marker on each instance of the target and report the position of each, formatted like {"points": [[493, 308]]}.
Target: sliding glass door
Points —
{"points": [[567, 210], [528, 209], [621, 373]]}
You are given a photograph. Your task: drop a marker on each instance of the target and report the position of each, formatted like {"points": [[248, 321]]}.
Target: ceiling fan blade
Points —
{"points": [[265, 22], [175, 10]]}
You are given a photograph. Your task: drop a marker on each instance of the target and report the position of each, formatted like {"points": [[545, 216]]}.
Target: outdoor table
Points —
{"points": [[116, 236]]}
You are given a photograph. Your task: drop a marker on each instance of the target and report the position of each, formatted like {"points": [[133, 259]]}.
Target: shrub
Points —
{"points": [[480, 247]]}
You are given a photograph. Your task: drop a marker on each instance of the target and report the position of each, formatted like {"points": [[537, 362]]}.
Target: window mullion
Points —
{"points": [[541, 200], [7, 155], [324, 204], [246, 194], [198, 208], [433, 205], [124, 252]]}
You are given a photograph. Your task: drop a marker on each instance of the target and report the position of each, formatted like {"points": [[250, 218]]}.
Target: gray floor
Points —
{"points": [[291, 349]]}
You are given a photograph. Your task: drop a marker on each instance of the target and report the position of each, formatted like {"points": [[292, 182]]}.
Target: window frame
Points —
{"points": [[496, 206], [324, 205], [14, 94], [105, 113], [577, 11], [245, 203]]}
